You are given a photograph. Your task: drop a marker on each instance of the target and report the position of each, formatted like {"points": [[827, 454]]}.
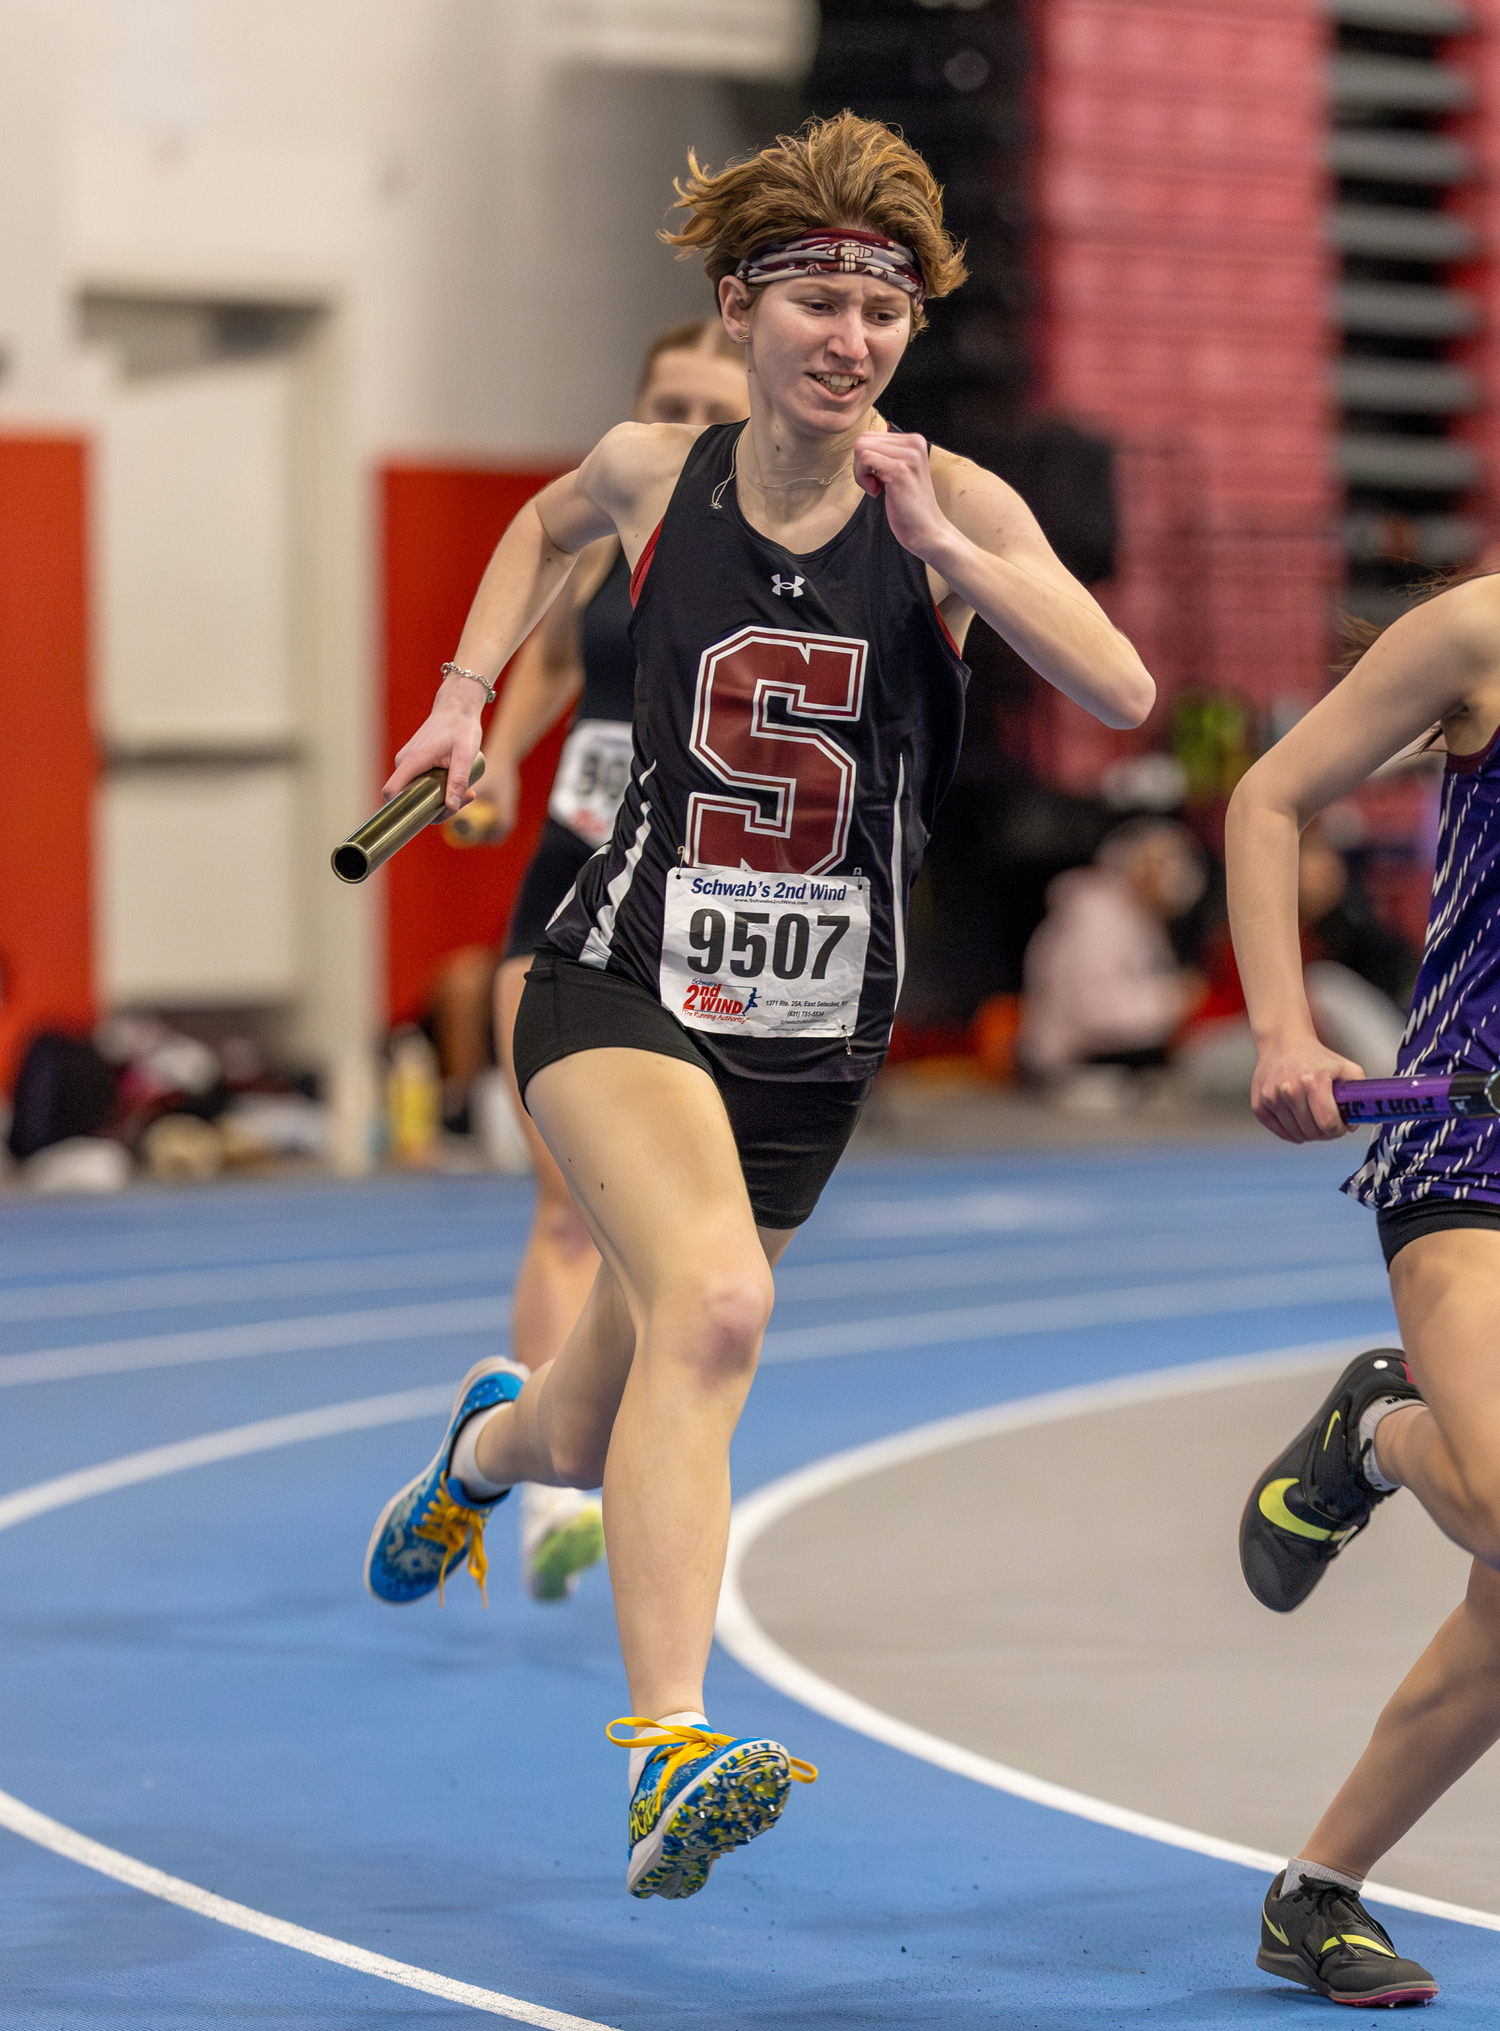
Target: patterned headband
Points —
{"points": [[835, 251]]}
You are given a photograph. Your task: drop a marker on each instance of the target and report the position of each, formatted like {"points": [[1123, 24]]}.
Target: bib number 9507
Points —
{"points": [[764, 955]]}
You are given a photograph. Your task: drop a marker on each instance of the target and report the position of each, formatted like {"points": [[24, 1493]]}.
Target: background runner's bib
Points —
{"points": [[591, 776], [764, 955]]}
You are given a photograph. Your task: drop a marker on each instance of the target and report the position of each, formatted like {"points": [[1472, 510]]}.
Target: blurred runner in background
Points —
{"points": [[693, 374]]}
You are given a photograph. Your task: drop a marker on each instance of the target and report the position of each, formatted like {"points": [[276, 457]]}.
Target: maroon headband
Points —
{"points": [[835, 250]]}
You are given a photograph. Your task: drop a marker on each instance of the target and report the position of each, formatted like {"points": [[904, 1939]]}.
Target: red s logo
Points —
{"points": [[759, 698]]}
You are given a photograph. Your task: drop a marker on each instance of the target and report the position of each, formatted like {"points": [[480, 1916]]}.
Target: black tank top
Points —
{"points": [[594, 765], [798, 719], [606, 649]]}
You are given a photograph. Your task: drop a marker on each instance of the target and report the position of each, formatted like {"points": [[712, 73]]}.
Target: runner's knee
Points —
{"points": [[1486, 1515], [1478, 1473], [721, 1316], [578, 1450], [559, 1226]]}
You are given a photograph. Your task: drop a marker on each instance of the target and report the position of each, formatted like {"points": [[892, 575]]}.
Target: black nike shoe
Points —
{"points": [[1323, 1937], [1308, 1503]]}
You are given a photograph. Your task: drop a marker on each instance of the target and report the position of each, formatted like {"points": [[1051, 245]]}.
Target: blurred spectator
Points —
{"points": [[1339, 926], [1103, 984]]}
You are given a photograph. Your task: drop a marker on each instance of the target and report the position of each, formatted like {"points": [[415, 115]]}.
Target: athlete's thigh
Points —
{"points": [[510, 983], [1446, 1286], [646, 1149]]}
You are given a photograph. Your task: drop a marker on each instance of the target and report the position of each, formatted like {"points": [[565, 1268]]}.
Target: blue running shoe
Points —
{"points": [[699, 1796], [422, 1533]]}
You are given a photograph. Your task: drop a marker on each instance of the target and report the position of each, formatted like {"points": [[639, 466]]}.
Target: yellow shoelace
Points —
{"points": [[686, 1743], [451, 1525]]}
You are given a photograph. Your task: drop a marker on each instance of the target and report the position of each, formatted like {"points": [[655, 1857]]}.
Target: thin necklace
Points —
{"points": [[776, 486]]}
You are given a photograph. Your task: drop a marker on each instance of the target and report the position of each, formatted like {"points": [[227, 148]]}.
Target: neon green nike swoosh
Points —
{"points": [[1272, 1926], [1329, 1433], [1356, 1939], [1273, 1508]]}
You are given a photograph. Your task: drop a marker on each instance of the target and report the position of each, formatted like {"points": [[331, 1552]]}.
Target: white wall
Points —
{"points": [[480, 201], [468, 189], [33, 251]]}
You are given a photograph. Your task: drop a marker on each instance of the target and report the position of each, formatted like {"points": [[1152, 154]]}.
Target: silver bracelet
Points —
{"points": [[457, 670]]}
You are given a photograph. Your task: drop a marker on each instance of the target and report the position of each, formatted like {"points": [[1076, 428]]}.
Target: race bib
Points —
{"points": [[764, 955], [591, 777]]}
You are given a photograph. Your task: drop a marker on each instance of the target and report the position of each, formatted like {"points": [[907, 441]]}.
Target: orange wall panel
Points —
{"points": [[440, 524], [46, 945]]}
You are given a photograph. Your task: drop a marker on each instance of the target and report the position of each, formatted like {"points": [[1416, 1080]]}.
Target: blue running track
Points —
{"points": [[191, 1673]]}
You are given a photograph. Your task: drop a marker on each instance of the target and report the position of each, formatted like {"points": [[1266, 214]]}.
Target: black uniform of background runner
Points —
{"points": [[608, 658], [795, 715]]}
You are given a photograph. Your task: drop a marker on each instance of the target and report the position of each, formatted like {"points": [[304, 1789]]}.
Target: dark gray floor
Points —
{"points": [[1067, 1600]]}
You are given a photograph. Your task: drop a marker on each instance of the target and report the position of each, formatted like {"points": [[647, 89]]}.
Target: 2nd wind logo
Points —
{"points": [[707, 998]]}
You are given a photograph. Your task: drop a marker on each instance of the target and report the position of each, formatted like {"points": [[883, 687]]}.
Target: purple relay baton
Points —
{"points": [[1416, 1095]]}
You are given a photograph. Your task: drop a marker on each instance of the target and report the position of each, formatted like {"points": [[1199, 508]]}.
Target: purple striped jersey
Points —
{"points": [[1454, 1024]]}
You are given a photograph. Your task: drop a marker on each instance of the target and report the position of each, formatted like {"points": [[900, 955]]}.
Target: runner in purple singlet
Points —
{"points": [[1428, 1418], [697, 1041]]}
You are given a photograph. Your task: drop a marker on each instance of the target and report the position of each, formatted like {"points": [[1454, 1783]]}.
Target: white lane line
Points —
{"points": [[323, 1277], [1025, 1262], [1266, 1291], [269, 1336], [364, 1414], [62, 1840], [981, 1261], [993, 1212], [1011, 1211], [370, 1227], [746, 1641]]}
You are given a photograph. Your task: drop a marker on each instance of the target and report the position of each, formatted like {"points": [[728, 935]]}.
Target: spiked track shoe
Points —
{"points": [[1311, 1500], [1323, 1937], [699, 1796], [432, 1523]]}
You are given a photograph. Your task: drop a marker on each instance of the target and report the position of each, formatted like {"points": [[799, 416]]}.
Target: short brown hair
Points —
{"points": [[688, 338], [838, 172], [1356, 635]]}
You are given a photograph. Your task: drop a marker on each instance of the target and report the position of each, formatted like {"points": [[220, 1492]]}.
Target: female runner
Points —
{"points": [[694, 375], [1428, 1419], [696, 1041]]}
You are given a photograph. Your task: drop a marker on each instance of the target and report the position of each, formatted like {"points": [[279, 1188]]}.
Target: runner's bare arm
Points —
{"points": [[545, 676], [982, 542], [1437, 663], [627, 477]]}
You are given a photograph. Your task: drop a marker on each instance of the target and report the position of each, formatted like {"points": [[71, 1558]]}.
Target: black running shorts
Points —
{"points": [[1401, 1224], [789, 1133], [550, 875]]}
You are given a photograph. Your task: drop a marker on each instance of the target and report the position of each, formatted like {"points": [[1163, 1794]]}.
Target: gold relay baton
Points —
{"points": [[409, 812]]}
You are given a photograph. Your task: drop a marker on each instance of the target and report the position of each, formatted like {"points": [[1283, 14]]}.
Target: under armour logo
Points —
{"points": [[794, 586]]}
